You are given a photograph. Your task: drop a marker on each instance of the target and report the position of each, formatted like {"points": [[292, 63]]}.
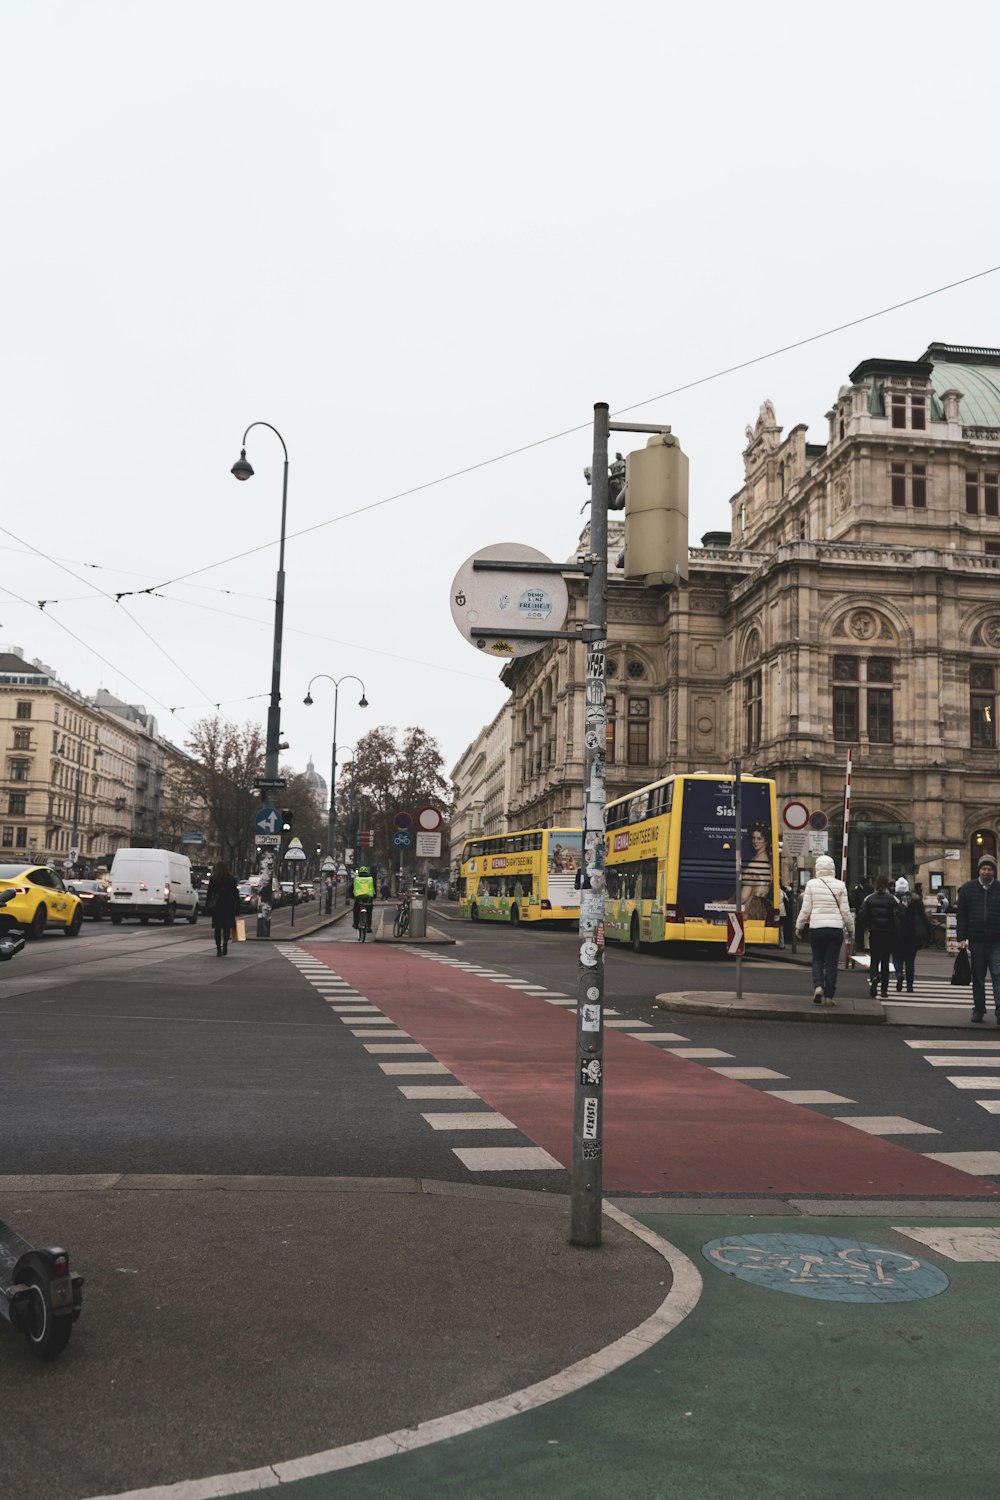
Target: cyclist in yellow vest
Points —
{"points": [[363, 890]]}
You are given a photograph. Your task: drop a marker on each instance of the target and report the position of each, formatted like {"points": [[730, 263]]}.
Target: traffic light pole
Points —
{"points": [[586, 1193]]}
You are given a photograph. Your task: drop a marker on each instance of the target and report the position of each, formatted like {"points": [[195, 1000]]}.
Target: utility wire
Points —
{"points": [[554, 437]]}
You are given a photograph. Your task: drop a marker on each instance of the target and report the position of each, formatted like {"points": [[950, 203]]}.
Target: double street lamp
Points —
{"points": [[331, 826]]}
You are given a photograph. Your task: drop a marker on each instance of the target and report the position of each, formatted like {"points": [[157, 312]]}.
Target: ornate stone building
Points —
{"points": [[854, 606]]}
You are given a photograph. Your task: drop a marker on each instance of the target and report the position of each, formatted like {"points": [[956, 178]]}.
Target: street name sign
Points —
{"points": [[275, 783]]}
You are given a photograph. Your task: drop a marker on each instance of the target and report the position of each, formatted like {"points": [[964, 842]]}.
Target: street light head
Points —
{"points": [[362, 701], [241, 468], [307, 700]]}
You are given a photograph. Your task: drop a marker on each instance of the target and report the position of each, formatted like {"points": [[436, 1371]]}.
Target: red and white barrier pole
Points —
{"points": [[847, 817]]}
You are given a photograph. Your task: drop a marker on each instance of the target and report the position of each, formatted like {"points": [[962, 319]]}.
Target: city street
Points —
{"points": [[385, 1129]]}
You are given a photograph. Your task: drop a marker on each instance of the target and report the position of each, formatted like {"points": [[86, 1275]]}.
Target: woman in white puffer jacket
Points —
{"points": [[826, 911]]}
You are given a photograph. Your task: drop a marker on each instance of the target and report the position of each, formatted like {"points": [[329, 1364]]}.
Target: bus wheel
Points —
{"points": [[634, 935], [515, 916], [474, 914]]}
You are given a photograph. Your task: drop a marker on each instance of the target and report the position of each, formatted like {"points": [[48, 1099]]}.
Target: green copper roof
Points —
{"points": [[980, 387]]}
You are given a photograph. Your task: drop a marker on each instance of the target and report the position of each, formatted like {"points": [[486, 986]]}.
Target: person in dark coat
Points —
{"points": [[913, 931], [877, 924], [223, 902], [977, 927]]}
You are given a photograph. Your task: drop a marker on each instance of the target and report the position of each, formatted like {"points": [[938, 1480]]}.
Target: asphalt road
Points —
{"points": [[134, 1049]]}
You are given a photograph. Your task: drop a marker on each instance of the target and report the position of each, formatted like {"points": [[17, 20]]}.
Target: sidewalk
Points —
{"points": [[375, 1340], [853, 1002]]}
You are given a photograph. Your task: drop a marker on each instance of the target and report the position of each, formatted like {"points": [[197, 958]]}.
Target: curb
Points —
{"points": [[733, 1010]]}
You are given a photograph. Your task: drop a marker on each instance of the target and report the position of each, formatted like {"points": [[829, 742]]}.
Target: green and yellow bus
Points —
{"points": [[671, 861], [522, 877]]}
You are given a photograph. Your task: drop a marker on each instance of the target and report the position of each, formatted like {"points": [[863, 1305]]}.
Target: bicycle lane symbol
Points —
{"points": [[833, 1270]]}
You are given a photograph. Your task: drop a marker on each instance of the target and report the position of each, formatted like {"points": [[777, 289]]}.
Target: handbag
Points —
{"points": [[962, 972], [239, 931]]}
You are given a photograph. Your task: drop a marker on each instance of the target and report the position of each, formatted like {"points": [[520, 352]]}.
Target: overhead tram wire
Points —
{"points": [[555, 437], [118, 601], [147, 696]]}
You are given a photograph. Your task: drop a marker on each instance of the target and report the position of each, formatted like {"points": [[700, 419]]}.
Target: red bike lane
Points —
{"points": [[670, 1125]]}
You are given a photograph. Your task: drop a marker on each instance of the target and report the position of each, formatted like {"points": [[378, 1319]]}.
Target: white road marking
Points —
{"points": [[979, 1046], [961, 1060], [746, 1073], [980, 1242], [809, 1096], [657, 1036], [696, 1053], [887, 1125], [392, 1031], [436, 1091], [992, 1106], [978, 1163], [506, 1159], [413, 1069], [970, 1081], [394, 1047], [481, 1120]]}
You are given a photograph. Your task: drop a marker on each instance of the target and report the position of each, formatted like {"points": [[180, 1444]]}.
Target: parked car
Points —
{"points": [[41, 901], [95, 898], [248, 896]]}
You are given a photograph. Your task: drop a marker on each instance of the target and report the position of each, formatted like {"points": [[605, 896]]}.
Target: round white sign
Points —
{"points": [[795, 815], [502, 601]]}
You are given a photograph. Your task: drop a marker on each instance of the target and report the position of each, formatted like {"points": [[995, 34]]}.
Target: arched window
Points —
{"points": [[781, 478], [983, 841]]}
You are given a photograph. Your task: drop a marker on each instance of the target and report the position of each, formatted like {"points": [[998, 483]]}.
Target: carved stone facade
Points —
{"points": [[856, 606]]}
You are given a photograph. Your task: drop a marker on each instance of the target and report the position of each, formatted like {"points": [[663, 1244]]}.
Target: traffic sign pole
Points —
{"points": [[737, 918]]}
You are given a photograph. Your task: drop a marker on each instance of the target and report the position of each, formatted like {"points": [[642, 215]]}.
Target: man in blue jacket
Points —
{"points": [[978, 928]]}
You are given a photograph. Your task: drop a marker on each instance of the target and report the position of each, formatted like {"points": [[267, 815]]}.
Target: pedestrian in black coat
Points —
{"points": [[913, 931], [877, 922], [223, 904]]}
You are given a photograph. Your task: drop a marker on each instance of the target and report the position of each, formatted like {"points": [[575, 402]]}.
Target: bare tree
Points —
{"points": [[225, 761], [392, 774]]}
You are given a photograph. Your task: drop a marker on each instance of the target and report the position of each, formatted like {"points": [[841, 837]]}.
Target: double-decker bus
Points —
{"points": [[671, 861], [522, 877]]}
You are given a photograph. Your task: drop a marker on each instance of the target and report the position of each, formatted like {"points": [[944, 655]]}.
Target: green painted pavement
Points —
{"points": [[755, 1394]]}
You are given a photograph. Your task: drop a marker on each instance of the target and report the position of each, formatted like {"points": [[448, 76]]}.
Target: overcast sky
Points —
{"points": [[413, 238]]}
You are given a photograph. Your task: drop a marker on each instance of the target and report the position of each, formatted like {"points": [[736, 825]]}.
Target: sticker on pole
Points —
{"points": [[497, 602]]}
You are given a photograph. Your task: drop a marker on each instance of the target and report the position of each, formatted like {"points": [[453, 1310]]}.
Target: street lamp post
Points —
{"points": [[272, 745], [331, 824]]}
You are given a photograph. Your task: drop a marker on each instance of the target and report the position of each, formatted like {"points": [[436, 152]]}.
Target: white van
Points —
{"points": [[152, 883]]}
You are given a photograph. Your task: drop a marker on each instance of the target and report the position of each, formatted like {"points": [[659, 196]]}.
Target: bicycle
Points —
{"points": [[364, 920], [401, 925]]}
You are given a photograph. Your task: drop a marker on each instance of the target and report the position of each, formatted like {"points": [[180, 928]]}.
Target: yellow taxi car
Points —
{"points": [[42, 901]]}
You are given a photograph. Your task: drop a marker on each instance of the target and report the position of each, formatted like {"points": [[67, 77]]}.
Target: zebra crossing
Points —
{"points": [[405, 1059]]}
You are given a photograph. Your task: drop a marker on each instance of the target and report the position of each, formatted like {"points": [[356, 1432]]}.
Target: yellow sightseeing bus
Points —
{"points": [[671, 861], [522, 877]]}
